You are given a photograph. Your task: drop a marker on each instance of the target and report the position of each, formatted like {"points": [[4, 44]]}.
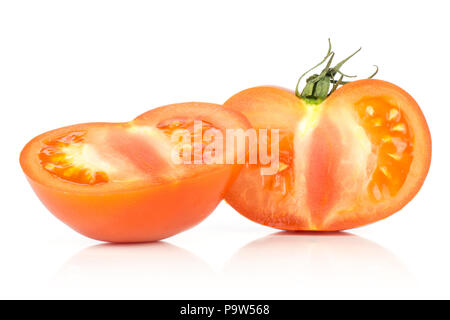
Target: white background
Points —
{"points": [[65, 62]]}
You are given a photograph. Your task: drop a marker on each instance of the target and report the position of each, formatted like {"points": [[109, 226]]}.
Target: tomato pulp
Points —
{"points": [[351, 159], [117, 182]]}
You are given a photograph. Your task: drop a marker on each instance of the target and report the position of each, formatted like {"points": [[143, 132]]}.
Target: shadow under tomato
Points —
{"points": [[143, 265], [311, 259]]}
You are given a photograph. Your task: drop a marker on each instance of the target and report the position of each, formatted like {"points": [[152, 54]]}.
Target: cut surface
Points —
{"points": [[164, 145], [346, 162], [104, 154]]}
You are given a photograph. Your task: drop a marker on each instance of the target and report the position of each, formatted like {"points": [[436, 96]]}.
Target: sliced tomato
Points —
{"points": [[357, 157], [118, 182]]}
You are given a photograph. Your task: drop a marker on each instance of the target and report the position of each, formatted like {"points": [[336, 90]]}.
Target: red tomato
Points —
{"points": [[351, 159], [117, 181]]}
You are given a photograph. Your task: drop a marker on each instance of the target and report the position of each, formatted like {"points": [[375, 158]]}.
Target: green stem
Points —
{"points": [[317, 86], [297, 93]]}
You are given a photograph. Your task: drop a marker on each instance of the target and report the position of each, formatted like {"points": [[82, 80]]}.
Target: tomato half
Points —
{"points": [[117, 182], [354, 158]]}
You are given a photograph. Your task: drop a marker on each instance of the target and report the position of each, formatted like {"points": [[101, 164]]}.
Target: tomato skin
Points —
{"points": [[143, 215], [328, 192], [140, 210]]}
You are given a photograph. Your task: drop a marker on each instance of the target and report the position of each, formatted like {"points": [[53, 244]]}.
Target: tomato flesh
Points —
{"points": [[346, 162]]}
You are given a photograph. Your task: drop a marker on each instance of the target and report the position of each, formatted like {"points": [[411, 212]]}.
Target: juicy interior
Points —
{"points": [[392, 141], [127, 153], [382, 123], [336, 159], [64, 157]]}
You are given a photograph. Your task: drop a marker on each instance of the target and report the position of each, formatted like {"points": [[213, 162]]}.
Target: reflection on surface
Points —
{"points": [[280, 260], [335, 259], [158, 264]]}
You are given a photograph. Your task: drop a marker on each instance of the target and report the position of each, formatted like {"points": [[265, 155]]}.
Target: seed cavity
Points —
{"points": [[385, 171], [370, 111], [401, 127], [392, 144], [62, 157], [377, 122], [282, 166], [393, 114], [395, 156]]}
